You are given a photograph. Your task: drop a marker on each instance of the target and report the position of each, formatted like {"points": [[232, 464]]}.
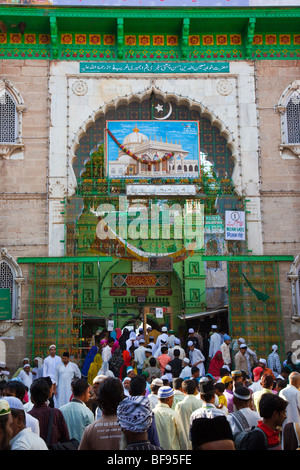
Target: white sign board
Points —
{"points": [[159, 313], [110, 325], [160, 190], [235, 225]]}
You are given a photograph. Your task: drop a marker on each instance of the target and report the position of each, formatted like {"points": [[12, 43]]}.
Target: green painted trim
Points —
{"points": [[81, 12], [65, 259], [249, 258]]}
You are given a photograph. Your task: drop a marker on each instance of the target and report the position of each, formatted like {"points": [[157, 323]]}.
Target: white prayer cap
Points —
{"points": [[243, 345], [141, 341], [190, 343], [26, 365], [214, 327], [132, 335], [241, 340], [164, 328], [177, 341], [52, 346], [191, 330], [157, 381], [124, 380], [186, 360], [274, 347], [168, 367], [14, 403], [2, 364], [263, 361]]}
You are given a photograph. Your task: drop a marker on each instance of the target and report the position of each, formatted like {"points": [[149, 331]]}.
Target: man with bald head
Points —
{"points": [[291, 393]]}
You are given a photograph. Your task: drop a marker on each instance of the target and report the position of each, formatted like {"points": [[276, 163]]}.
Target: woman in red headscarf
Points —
{"points": [[127, 360], [215, 365]]}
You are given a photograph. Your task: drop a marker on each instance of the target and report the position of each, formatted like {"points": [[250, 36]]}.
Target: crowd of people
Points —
{"points": [[148, 391]]}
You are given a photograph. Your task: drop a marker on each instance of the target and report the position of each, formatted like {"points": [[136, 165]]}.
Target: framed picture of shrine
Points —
{"points": [[149, 149]]}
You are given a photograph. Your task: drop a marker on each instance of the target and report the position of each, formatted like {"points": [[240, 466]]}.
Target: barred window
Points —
{"points": [[293, 119], [8, 121], [7, 282]]}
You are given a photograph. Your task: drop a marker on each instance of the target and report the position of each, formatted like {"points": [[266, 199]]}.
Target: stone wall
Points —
{"points": [[280, 171], [23, 188]]}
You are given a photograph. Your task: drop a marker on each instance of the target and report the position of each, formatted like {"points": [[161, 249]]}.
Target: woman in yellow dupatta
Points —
{"points": [[94, 368]]}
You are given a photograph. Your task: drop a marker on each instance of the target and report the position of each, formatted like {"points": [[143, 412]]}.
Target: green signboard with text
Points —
{"points": [[5, 304]]}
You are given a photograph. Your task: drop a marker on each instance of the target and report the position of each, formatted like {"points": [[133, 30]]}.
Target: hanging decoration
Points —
{"points": [[140, 159]]}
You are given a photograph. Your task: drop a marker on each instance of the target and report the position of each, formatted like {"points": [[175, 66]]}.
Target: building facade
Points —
{"points": [[128, 138]]}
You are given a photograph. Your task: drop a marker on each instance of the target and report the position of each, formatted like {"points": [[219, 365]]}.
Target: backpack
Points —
{"points": [[253, 439]]}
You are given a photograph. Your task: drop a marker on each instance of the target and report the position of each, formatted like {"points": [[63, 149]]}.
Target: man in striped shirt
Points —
{"points": [[135, 416]]}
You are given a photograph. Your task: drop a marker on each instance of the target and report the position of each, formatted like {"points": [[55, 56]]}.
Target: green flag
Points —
{"points": [[260, 295]]}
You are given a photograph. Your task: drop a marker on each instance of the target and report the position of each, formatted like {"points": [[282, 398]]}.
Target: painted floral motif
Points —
{"points": [[284, 39], [95, 39], [208, 40], [271, 39], [194, 40], [66, 39], [109, 40], [172, 40], [258, 39], [235, 39], [297, 39], [144, 40], [30, 39], [222, 39], [3, 38], [15, 38], [80, 38], [158, 40], [44, 38], [130, 40]]}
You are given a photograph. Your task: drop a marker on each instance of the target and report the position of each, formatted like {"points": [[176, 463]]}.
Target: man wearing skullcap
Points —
{"points": [[266, 370], [273, 361], [177, 344], [240, 359], [154, 387], [196, 357], [192, 338], [23, 438], [243, 418], [65, 372], [26, 376], [170, 431], [214, 342], [135, 416], [162, 337], [51, 362], [6, 422], [187, 370], [207, 395], [140, 356]]}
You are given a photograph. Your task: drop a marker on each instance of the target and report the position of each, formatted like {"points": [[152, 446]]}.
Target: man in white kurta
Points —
{"points": [[196, 357], [170, 432], [26, 376], [215, 342], [64, 374], [291, 393], [51, 362], [185, 408]]}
